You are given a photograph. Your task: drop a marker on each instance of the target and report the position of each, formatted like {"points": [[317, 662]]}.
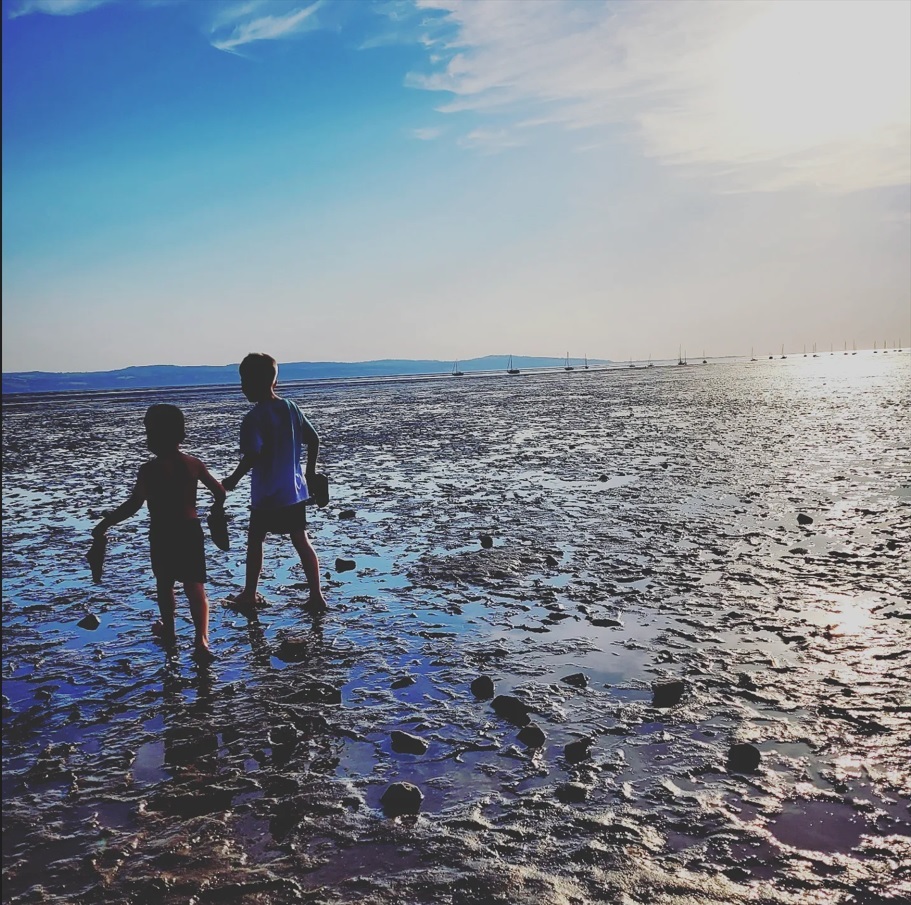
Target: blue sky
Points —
{"points": [[186, 181]]}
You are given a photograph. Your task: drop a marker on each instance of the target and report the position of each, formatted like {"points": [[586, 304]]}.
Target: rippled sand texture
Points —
{"points": [[646, 524]]}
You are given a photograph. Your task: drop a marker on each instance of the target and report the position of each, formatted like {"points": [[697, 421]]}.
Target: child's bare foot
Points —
{"points": [[161, 633], [246, 599], [203, 655], [316, 604]]}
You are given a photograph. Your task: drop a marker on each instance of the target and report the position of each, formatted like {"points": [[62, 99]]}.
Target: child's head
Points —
{"points": [[165, 428], [258, 373]]}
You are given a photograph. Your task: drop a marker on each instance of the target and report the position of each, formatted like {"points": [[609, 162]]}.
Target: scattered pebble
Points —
{"points": [[405, 743], [667, 694], [482, 687], [401, 798]]}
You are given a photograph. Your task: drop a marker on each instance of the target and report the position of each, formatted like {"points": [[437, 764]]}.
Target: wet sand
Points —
{"points": [[646, 525]]}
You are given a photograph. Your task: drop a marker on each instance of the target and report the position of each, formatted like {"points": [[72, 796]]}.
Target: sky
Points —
{"points": [[185, 181]]}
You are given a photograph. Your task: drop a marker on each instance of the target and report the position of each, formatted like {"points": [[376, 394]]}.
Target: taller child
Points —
{"points": [[272, 437]]}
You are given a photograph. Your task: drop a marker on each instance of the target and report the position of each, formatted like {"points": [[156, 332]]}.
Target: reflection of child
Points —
{"points": [[272, 437], [168, 484]]}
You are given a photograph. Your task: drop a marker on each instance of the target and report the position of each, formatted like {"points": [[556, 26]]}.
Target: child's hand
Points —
{"points": [[228, 484]]}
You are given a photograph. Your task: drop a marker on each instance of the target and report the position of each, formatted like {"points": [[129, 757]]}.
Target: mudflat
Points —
{"points": [[688, 587]]}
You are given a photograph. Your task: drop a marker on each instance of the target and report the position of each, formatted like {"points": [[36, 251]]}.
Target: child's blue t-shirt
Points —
{"points": [[273, 431]]}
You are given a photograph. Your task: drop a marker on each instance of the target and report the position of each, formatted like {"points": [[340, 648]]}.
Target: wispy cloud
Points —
{"points": [[428, 134], [244, 26], [770, 94], [54, 7]]}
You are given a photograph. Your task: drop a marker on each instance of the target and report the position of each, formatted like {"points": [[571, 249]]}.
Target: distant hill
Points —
{"points": [[150, 376]]}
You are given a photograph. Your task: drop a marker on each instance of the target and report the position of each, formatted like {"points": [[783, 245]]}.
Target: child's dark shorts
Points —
{"points": [[178, 550], [283, 520]]}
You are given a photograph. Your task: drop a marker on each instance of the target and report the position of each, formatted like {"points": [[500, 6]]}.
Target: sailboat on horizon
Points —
{"points": [[752, 356], [568, 366], [704, 359], [586, 362], [456, 372], [782, 351], [510, 369], [681, 357]]}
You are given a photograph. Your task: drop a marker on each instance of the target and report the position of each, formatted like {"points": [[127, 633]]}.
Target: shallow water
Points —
{"points": [[663, 499]]}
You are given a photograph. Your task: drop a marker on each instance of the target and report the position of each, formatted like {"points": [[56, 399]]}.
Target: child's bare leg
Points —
{"points": [[199, 610], [254, 566], [167, 607], [310, 562]]}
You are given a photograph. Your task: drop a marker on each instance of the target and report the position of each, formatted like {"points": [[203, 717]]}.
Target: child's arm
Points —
{"points": [[311, 438], [124, 510], [218, 490], [233, 479]]}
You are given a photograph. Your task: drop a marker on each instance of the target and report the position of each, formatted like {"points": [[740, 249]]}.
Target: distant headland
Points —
{"points": [[153, 376]]}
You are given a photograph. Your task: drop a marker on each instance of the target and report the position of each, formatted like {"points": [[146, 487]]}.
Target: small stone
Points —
{"points": [[482, 687], [284, 735], [667, 694], [804, 519], [603, 477], [512, 709], [404, 682], [405, 743], [344, 565], [89, 621], [552, 561], [401, 798], [578, 751], [799, 550], [577, 680], [605, 622], [347, 513], [743, 758], [486, 541], [532, 736], [571, 792]]}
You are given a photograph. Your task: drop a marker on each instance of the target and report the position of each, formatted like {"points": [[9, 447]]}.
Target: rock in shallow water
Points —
{"points": [[571, 792], [344, 565], [667, 694], [577, 680], [486, 541], [512, 709], [482, 687], [578, 751], [803, 519], [401, 798], [532, 736], [404, 682], [405, 743], [90, 621], [743, 758]]}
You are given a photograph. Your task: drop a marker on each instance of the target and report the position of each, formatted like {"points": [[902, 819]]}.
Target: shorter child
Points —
{"points": [[168, 483], [272, 438]]}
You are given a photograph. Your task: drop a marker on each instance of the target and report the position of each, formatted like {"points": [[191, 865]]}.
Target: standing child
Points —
{"points": [[168, 484], [272, 437]]}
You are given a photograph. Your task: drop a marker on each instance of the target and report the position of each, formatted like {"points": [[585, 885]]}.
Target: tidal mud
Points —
{"points": [[664, 569]]}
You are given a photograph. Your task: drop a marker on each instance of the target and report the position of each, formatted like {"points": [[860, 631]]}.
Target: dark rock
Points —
{"points": [[283, 735], [486, 541], [552, 561], [743, 758], [603, 477], [578, 751], [344, 565], [532, 736], [405, 743], [512, 709], [89, 621], [347, 513], [605, 622], [482, 687], [799, 550], [577, 680], [667, 694], [571, 792], [401, 798], [404, 682], [803, 519], [294, 650]]}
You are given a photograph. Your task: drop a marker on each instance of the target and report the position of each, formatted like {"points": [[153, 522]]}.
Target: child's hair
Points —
{"points": [[165, 427], [259, 370]]}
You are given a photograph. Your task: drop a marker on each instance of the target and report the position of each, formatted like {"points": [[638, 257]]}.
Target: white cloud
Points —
{"points": [[428, 134], [55, 7], [261, 28], [769, 94]]}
